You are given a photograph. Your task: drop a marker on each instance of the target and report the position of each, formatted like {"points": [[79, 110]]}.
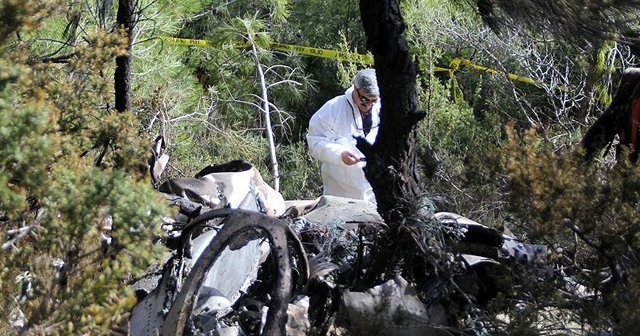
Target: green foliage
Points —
{"points": [[588, 217], [545, 193], [99, 222], [317, 23], [221, 146], [601, 72], [299, 173], [80, 198], [347, 70], [26, 143], [280, 10], [173, 11], [57, 121], [453, 126], [229, 123], [326, 24], [458, 152], [21, 16]]}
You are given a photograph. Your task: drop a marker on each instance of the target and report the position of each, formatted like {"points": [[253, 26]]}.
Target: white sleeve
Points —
{"points": [[321, 136]]}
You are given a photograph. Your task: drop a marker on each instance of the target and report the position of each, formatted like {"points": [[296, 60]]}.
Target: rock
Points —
{"points": [[298, 319], [391, 309]]}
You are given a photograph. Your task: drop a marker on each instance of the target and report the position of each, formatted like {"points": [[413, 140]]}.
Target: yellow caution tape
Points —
{"points": [[188, 42], [325, 53], [437, 69], [454, 65], [458, 62], [309, 51]]}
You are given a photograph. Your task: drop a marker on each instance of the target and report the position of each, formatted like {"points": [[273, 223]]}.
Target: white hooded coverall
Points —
{"points": [[331, 131]]}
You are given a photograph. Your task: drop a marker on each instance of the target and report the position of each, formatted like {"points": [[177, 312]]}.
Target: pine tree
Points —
{"points": [[73, 232]]}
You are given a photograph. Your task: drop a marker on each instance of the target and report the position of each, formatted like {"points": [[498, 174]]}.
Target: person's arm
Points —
{"points": [[321, 135]]}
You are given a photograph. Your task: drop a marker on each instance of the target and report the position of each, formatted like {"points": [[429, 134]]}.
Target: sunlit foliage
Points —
{"points": [[72, 232]]}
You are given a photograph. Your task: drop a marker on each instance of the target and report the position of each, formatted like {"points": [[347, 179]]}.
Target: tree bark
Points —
{"points": [[391, 160], [616, 119], [122, 76], [105, 12], [275, 175]]}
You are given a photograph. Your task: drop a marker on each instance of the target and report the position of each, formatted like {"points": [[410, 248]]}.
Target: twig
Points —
{"points": [[17, 235]]}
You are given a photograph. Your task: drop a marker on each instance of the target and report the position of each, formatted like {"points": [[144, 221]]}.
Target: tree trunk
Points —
{"points": [[105, 12], [122, 75], [275, 175], [391, 161], [616, 119]]}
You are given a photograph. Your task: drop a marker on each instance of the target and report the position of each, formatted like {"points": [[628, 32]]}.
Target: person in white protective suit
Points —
{"points": [[332, 132]]}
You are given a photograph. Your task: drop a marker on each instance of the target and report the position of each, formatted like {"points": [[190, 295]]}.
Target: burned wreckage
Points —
{"points": [[245, 262]]}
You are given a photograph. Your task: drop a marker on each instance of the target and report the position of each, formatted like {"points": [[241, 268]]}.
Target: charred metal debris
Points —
{"points": [[245, 262]]}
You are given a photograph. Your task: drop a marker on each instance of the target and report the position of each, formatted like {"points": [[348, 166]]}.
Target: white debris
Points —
{"points": [[17, 319]]}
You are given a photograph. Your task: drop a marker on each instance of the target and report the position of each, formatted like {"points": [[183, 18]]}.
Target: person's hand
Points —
{"points": [[349, 158]]}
